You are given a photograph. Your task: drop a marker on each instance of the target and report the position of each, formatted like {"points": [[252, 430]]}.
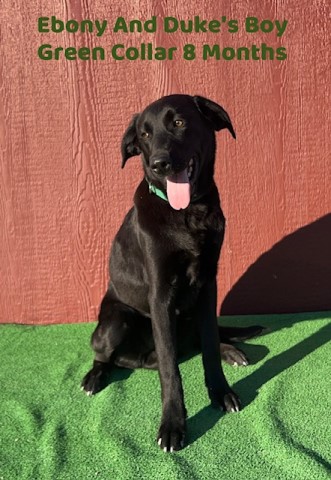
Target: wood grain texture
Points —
{"points": [[63, 195]]}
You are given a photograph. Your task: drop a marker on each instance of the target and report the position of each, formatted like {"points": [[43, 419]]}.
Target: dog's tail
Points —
{"points": [[239, 334]]}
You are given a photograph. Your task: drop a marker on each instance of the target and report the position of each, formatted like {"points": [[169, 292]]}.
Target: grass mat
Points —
{"points": [[50, 430]]}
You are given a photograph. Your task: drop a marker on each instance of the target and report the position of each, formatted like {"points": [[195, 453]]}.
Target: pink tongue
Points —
{"points": [[178, 190]]}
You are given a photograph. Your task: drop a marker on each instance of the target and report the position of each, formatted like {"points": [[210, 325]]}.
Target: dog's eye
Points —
{"points": [[145, 134], [178, 123]]}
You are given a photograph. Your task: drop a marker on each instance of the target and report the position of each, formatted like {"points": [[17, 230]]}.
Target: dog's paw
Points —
{"points": [[171, 436], [228, 401], [93, 381], [232, 355], [231, 402]]}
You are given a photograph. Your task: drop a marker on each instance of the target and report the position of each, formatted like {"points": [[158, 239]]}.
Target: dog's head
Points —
{"points": [[176, 138]]}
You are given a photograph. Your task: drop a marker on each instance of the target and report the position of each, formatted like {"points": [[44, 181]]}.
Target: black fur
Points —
{"points": [[161, 299]]}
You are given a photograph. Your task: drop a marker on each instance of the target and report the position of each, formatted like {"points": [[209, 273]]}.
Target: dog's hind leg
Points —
{"points": [[239, 334], [138, 348], [137, 360], [115, 323]]}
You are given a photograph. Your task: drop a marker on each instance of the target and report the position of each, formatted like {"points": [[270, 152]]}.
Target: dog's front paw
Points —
{"points": [[227, 401], [94, 380], [171, 435], [231, 402]]}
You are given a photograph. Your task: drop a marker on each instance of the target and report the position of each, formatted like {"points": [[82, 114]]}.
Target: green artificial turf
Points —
{"points": [[49, 429]]}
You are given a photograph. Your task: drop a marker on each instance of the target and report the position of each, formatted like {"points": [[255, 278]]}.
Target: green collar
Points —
{"points": [[153, 189]]}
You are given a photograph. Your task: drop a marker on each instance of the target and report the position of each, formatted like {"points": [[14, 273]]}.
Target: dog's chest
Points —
{"points": [[191, 269], [196, 258], [202, 257]]}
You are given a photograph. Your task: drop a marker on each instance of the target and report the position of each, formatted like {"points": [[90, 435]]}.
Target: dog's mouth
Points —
{"points": [[179, 186]]}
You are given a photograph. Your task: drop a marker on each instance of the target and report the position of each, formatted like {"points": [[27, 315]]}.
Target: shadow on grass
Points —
{"points": [[248, 387], [294, 275]]}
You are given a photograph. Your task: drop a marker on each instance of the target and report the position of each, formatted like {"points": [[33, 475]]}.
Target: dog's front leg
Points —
{"points": [[172, 429], [219, 390]]}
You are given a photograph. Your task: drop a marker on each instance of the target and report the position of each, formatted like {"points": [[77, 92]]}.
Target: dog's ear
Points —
{"points": [[130, 147], [214, 113]]}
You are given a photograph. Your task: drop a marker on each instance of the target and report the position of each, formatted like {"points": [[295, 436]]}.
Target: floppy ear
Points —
{"points": [[130, 146], [216, 114]]}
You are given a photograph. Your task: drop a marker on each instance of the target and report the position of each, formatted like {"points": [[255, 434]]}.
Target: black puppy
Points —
{"points": [[161, 299]]}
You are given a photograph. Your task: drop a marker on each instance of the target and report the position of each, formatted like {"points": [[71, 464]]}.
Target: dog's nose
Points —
{"points": [[161, 166]]}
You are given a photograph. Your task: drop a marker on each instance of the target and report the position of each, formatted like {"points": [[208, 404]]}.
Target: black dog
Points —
{"points": [[161, 298]]}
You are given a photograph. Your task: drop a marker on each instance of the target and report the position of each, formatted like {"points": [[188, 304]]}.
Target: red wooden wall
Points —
{"points": [[63, 194]]}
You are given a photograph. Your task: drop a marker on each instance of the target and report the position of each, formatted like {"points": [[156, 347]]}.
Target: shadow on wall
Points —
{"points": [[294, 276]]}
